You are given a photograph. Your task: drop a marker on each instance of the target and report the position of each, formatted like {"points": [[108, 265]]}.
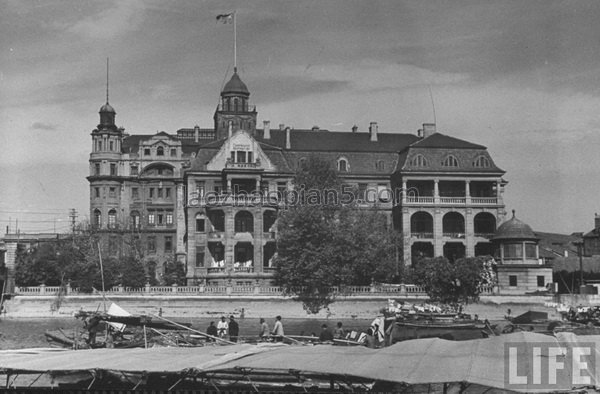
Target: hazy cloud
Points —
{"points": [[43, 126], [120, 18]]}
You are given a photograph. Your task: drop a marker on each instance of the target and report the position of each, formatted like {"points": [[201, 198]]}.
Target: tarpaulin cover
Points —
{"points": [[421, 361]]}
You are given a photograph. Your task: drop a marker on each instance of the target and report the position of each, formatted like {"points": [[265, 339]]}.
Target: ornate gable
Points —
{"points": [[242, 151]]}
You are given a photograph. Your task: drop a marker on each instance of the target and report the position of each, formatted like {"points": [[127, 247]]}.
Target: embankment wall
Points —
{"points": [[490, 307]]}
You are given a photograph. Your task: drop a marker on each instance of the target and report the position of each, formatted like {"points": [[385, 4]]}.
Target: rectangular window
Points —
{"points": [[530, 251], [160, 219], [200, 259], [541, 282], [241, 156], [113, 169], [512, 280], [362, 191], [281, 188], [173, 152], [151, 192], [97, 192], [160, 192], [97, 169], [168, 192], [169, 218], [112, 192], [513, 251], [200, 225], [112, 145], [218, 187], [134, 170], [134, 193], [168, 244], [233, 157], [151, 218], [249, 157], [151, 244], [147, 152]]}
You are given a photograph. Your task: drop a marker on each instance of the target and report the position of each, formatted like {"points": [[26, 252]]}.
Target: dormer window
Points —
{"points": [[342, 165], [173, 152], [450, 161], [302, 162], [380, 165], [419, 161], [481, 162], [160, 151], [146, 151]]}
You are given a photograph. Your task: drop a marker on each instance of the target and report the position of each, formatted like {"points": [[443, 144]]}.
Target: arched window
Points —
{"points": [[135, 220], [481, 162], [342, 165], [421, 225], [244, 222], [380, 165], [453, 225], [235, 104], [160, 151], [419, 161], [97, 218], [112, 218], [301, 162], [450, 161]]}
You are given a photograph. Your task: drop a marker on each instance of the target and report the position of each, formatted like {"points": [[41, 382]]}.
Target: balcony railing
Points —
{"points": [[422, 235], [454, 235], [453, 200], [430, 200], [420, 200], [386, 290]]}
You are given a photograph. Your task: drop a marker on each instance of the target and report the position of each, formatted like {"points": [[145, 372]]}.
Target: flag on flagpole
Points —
{"points": [[225, 18]]}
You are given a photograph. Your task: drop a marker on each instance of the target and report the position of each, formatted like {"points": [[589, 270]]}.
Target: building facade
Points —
{"points": [[208, 197]]}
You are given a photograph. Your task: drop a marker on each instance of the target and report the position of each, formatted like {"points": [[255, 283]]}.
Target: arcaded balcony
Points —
{"points": [[484, 224], [434, 192]]}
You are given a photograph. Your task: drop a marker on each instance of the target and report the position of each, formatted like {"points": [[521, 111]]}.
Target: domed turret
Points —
{"points": [[235, 86], [107, 117], [514, 229]]}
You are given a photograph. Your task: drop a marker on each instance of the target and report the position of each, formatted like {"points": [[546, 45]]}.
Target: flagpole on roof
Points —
{"points": [[234, 43]]}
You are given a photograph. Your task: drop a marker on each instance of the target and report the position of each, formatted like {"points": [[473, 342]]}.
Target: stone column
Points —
{"points": [[438, 231], [436, 191], [468, 191], [469, 233], [403, 191]]}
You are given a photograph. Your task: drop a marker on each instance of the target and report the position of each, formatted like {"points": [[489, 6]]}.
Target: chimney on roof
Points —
{"points": [[288, 142], [373, 128], [354, 128], [281, 126], [196, 133], [230, 129], [597, 221], [267, 129], [428, 129]]}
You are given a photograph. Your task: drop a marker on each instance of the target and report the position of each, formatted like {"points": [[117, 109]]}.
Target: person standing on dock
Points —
{"points": [[234, 329], [222, 327], [264, 330], [278, 330], [212, 331]]}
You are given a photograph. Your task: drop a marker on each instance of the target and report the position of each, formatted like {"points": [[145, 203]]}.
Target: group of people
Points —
{"points": [[224, 329], [231, 329]]}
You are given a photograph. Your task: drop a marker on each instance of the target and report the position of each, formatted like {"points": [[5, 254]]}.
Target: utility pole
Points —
{"points": [[73, 217]]}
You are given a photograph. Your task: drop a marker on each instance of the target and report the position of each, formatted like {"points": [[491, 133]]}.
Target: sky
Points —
{"points": [[520, 77]]}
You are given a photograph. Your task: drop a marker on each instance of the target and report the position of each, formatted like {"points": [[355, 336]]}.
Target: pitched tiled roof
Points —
{"points": [[335, 141], [438, 140]]}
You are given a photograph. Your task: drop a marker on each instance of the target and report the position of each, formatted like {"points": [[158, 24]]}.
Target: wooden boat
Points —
{"points": [[459, 331]]}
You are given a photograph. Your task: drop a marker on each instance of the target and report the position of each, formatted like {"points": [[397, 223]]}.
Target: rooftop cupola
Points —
{"points": [[107, 117], [234, 109], [235, 87]]}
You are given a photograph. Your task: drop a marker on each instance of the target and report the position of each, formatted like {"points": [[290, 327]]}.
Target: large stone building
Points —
{"points": [[187, 194]]}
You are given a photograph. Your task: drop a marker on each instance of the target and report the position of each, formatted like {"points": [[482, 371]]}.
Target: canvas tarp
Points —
{"points": [[421, 361]]}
